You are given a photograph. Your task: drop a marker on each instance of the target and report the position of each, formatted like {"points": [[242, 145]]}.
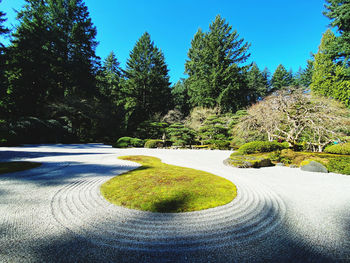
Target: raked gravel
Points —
{"points": [[55, 213]]}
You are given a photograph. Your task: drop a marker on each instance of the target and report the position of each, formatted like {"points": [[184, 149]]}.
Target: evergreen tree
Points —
{"points": [[329, 79], [29, 60], [74, 46], [304, 76], [180, 97], [3, 81], [215, 75], [281, 78], [338, 11], [110, 78], [257, 83], [147, 89]]}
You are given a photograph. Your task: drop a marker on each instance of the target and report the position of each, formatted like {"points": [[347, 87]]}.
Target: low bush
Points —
{"points": [[154, 144], [262, 146], [249, 161], [219, 144], [125, 142], [343, 148]]}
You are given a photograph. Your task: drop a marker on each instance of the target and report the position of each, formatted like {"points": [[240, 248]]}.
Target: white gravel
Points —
{"points": [[55, 213]]}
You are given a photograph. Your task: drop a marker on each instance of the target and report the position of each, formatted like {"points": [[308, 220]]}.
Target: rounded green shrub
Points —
{"points": [[125, 142], [154, 144], [262, 146], [343, 148], [244, 161]]}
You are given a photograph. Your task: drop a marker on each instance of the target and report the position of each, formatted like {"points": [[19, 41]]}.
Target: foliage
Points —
{"points": [[213, 129], [154, 144], [125, 142], [334, 163], [281, 78], [219, 144], [249, 161], [198, 116], [151, 130], [11, 167], [261, 146], [304, 76], [173, 188], [295, 116], [147, 89], [181, 135], [257, 83], [180, 97], [215, 75], [342, 148], [173, 116], [338, 11], [330, 79]]}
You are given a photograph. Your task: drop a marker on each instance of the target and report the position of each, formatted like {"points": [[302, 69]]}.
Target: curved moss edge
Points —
{"points": [[164, 188], [11, 167]]}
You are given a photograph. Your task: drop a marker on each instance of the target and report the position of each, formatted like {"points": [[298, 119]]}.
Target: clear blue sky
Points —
{"points": [[280, 31]]}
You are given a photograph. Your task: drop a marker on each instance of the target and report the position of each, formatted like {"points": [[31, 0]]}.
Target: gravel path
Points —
{"points": [[55, 213]]}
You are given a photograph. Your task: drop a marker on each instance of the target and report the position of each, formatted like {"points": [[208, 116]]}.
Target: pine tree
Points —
{"points": [[180, 97], [215, 75], [109, 78], [329, 79], [338, 11], [257, 83], [281, 78], [147, 88], [29, 60], [304, 76], [3, 80]]}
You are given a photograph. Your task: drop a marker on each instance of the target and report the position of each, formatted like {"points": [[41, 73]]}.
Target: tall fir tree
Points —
{"points": [[338, 11], [147, 90], [304, 76], [257, 83], [214, 67], [180, 97], [52, 55], [29, 61], [328, 78], [3, 80], [281, 78]]}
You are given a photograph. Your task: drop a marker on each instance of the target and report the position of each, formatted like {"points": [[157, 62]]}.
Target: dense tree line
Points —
{"points": [[54, 88]]}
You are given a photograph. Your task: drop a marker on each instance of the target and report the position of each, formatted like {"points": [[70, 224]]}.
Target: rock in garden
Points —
{"points": [[313, 166]]}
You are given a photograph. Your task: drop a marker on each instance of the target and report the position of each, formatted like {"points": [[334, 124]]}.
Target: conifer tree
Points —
{"points": [[329, 79], [215, 74], [281, 78], [338, 11], [257, 83], [3, 81], [147, 88]]}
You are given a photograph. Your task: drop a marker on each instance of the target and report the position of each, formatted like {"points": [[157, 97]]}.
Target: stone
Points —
{"points": [[314, 166], [279, 164], [293, 166]]}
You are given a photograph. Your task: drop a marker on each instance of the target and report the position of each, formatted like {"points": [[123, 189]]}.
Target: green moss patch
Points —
{"points": [[11, 167], [160, 187]]}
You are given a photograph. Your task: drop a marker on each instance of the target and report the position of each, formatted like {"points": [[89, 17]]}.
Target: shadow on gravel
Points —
{"points": [[281, 245], [6, 156]]}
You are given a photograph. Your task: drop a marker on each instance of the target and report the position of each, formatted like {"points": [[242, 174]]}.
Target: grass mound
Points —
{"points": [[160, 187], [11, 167]]}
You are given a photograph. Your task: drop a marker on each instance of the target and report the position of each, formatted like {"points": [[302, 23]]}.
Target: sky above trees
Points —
{"points": [[279, 31]]}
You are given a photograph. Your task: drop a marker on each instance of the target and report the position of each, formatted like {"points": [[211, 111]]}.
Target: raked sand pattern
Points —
{"points": [[56, 213]]}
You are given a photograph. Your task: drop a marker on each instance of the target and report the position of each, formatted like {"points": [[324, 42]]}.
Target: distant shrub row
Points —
{"points": [[343, 148], [262, 146]]}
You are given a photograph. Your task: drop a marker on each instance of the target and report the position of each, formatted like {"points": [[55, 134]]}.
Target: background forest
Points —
{"points": [[55, 89]]}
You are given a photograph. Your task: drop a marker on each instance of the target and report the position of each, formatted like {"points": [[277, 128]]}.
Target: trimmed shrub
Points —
{"points": [[154, 144], [343, 148], [218, 144], [244, 161], [125, 142], [339, 165], [262, 146]]}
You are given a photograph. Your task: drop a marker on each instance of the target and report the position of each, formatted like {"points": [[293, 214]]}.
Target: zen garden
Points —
{"points": [[103, 161]]}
